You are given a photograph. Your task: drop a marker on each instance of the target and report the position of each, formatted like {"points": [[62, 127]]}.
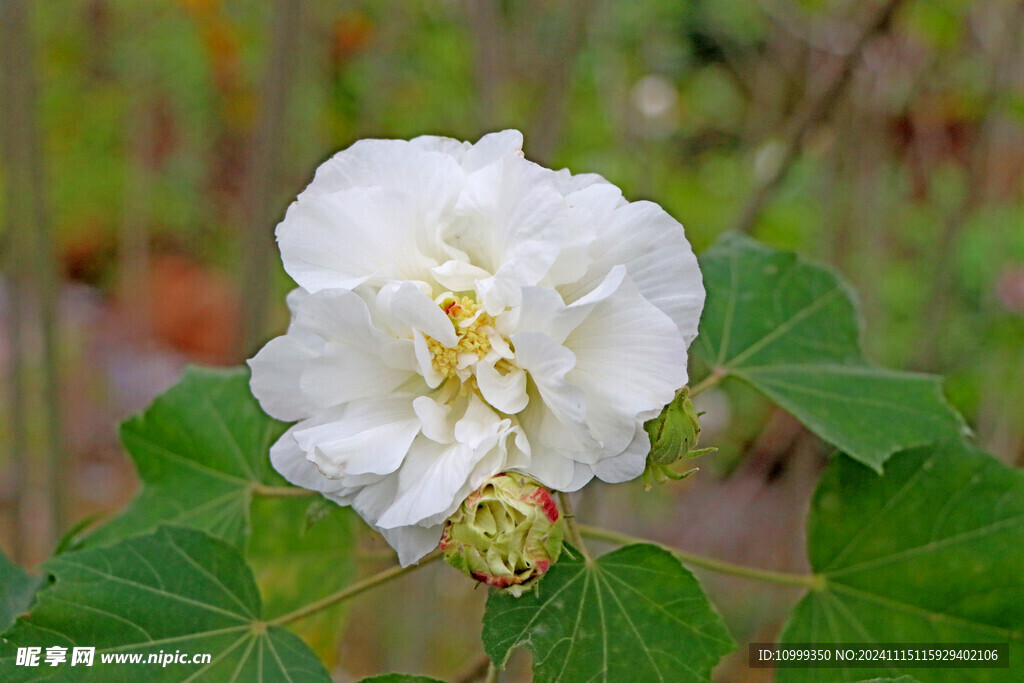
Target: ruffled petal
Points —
{"points": [[586, 206], [654, 249], [456, 149], [630, 358], [340, 240], [549, 364], [459, 276], [434, 473], [506, 392], [425, 361], [430, 178], [276, 372], [435, 419], [419, 312], [412, 542], [369, 437], [512, 222], [630, 463], [543, 310], [493, 148], [350, 365], [291, 463]]}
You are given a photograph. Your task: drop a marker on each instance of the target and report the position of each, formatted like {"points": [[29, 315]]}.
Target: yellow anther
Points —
{"points": [[470, 337]]}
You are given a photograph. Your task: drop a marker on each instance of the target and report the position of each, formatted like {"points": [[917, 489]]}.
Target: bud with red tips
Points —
{"points": [[506, 534]]}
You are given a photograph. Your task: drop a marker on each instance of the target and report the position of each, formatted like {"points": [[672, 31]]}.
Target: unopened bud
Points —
{"points": [[673, 435], [506, 534]]}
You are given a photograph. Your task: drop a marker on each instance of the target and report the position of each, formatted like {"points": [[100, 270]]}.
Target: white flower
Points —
{"points": [[461, 312]]}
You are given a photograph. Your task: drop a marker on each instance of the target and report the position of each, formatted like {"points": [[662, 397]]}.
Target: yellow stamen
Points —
{"points": [[471, 337]]}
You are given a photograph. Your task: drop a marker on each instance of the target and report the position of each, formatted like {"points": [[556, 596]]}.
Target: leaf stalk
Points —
{"points": [[281, 491], [811, 581], [353, 590]]}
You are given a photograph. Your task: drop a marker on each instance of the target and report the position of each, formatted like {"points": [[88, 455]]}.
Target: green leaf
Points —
{"points": [[931, 552], [199, 450], [16, 591], [791, 330], [400, 678], [901, 679], [634, 614], [174, 590]]}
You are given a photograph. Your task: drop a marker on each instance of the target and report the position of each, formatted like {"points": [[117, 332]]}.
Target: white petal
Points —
{"points": [[492, 148], [543, 310], [400, 354], [505, 392], [630, 463], [290, 461], [427, 482], [478, 424], [343, 239], [369, 437], [548, 364], [425, 360], [586, 207], [604, 289], [349, 365], [435, 419], [346, 373], [569, 183], [661, 263], [433, 474], [512, 223], [276, 371], [414, 308], [374, 499], [581, 476], [412, 542], [630, 358], [459, 276], [550, 468], [456, 149], [431, 178]]}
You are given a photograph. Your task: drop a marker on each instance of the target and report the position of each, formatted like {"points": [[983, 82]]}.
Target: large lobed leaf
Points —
{"points": [[633, 614], [175, 589], [16, 591], [931, 552], [199, 450], [791, 330]]}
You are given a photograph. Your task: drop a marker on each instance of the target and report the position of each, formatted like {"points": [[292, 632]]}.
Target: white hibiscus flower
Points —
{"points": [[461, 312]]}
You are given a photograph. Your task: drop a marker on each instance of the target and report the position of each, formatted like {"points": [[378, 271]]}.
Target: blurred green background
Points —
{"points": [[150, 146]]}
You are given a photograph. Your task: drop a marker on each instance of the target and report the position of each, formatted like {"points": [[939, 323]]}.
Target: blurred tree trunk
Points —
{"points": [[812, 114], [265, 154], [34, 404], [516, 46]]}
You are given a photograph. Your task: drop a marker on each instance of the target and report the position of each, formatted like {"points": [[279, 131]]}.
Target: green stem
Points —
{"points": [[573, 527], [281, 491], [811, 581], [353, 590], [716, 376]]}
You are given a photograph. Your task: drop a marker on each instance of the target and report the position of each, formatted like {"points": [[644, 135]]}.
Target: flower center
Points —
{"points": [[471, 327]]}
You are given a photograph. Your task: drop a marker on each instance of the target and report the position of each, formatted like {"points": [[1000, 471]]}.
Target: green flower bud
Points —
{"points": [[673, 435], [506, 534]]}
